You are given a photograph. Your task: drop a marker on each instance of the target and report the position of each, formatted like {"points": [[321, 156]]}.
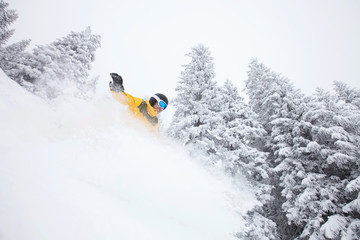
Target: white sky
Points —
{"points": [[312, 42]]}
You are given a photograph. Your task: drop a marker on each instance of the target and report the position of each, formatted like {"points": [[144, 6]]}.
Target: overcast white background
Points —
{"points": [[312, 43]]}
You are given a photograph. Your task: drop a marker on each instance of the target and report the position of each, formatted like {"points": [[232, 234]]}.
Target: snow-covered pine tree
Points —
{"points": [[242, 139], [347, 94], [350, 122], [322, 206], [279, 107], [11, 55], [50, 69], [7, 17], [241, 135], [271, 95], [197, 102], [63, 65], [78, 48], [352, 208]]}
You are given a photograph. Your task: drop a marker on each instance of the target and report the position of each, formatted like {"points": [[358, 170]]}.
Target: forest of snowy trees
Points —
{"points": [[300, 153]]}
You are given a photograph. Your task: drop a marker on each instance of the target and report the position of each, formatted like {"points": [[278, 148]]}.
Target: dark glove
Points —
{"points": [[116, 84]]}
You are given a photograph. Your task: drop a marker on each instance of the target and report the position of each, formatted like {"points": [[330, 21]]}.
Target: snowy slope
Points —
{"points": [[82, 170]]}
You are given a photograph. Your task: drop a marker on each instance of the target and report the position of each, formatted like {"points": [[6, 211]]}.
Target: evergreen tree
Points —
{"points": [[349, 95], [7, 17], [197, 102], [241, 135], [271, 95], [11, 56], [52, 69], [279, 107], [63, 64], [242, 139], [218, 122], [332, 154], [352, 209], [258, 227]]}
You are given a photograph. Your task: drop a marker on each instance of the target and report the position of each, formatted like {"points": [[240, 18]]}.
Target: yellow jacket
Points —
{"points": [[140, 108]]}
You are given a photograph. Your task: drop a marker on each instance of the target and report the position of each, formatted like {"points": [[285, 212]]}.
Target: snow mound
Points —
{"points": [[83, 170]]}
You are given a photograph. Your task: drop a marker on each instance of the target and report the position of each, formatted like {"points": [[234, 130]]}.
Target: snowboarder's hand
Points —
{"points": [[116, 84]]}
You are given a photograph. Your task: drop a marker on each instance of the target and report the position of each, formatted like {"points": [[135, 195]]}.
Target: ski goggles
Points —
{"points": [[161, 103]]}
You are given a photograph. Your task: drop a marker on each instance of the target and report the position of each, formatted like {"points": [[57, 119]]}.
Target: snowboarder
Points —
{"points": [[145, 110]]}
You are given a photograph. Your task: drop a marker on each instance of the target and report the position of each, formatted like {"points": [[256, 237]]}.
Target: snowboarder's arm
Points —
{"points": [[126, 99]]}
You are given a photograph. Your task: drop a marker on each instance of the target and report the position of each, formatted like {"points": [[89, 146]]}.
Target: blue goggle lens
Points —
{"points": [[162, 104]]}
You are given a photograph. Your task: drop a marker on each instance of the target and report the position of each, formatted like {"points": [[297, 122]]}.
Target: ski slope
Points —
{"points": [[79, 169]]}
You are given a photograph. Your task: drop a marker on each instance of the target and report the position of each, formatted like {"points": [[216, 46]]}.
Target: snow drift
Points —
{"points": [[82, 170]]}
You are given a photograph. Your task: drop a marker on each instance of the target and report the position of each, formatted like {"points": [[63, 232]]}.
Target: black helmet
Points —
{"points": [[153, 100]]}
